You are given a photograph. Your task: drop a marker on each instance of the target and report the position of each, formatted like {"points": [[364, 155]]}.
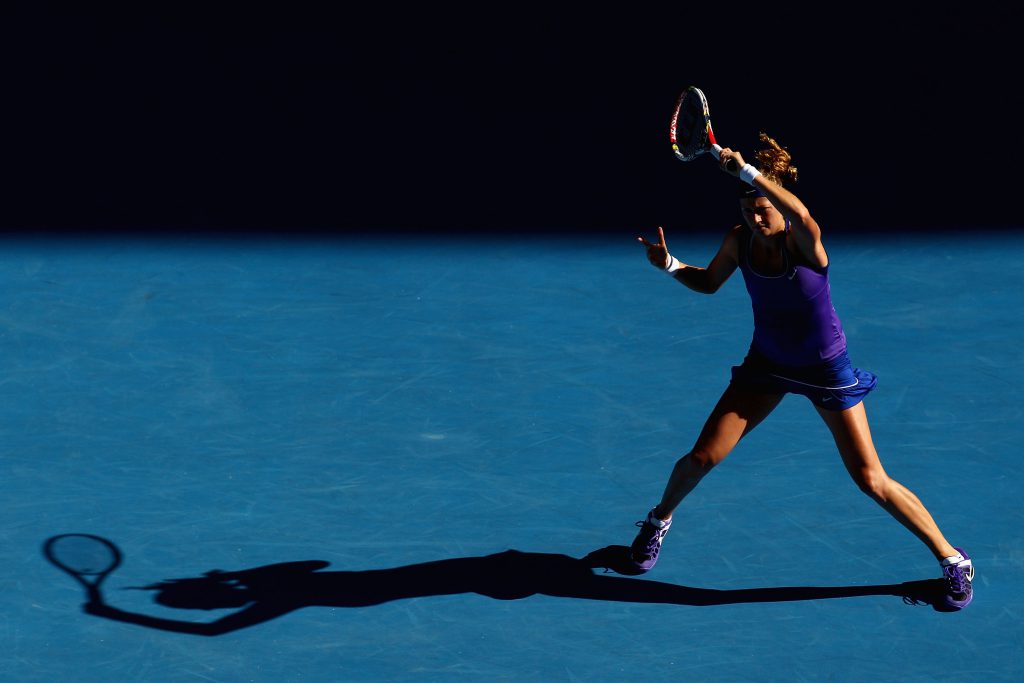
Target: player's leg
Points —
{"points": [[738, 411], [852, 434], [735, 415], [853, 438]]}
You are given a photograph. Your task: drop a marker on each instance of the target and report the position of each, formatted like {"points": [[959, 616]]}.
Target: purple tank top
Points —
{"points": [[794, 320]]}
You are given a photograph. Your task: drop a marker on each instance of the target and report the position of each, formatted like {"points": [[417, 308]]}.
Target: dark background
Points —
{"points": [[493, 119]]}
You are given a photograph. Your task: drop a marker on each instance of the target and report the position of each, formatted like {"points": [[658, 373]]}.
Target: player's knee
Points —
{"points": [[702, 460], [874, 483]]}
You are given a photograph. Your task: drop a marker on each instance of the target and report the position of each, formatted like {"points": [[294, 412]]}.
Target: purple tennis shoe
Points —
{"points": [[958, 576], [647, 545]]}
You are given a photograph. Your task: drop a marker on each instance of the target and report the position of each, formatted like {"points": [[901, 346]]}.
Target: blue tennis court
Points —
{"points": [[424, 447]]}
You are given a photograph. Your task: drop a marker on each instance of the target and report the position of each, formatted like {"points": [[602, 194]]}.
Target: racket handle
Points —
{"points": [[716, 151]]}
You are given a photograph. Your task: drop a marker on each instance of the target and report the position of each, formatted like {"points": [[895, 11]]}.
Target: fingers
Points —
{"points": [[724, 157], [661, 240], [730, 161]]}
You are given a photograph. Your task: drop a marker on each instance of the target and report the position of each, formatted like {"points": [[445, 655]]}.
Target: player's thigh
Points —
{"points": [[853, 439], [736, 413]]}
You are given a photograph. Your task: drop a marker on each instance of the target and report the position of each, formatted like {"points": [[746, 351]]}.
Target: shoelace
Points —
{"points": [[653, 546], [956, 578]]}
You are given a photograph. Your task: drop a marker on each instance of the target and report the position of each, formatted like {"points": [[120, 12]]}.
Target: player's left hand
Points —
{"points": [[657, 253]]}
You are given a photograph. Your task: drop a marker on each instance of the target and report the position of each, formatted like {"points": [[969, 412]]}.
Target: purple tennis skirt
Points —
{"points": [[833, 384]]}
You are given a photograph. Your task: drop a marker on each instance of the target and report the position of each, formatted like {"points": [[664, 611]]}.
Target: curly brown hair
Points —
{"points": [[774, 161]]}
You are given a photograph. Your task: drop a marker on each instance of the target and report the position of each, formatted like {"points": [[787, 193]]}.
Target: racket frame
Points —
{"points": [[710, 144], [91, 580]]}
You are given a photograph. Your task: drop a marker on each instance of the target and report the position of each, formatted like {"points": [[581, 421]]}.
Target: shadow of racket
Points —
{"points": [[88, 559]]}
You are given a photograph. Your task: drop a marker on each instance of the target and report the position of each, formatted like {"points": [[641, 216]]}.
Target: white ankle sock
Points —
{"points": [[953, 559], [657, 522]]}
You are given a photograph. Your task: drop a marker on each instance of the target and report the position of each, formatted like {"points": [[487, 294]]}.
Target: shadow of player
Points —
{"points": [[264, 593]]}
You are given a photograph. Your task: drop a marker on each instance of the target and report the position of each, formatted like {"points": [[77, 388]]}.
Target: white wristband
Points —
{"points": [[748, 173], [673, 264]]}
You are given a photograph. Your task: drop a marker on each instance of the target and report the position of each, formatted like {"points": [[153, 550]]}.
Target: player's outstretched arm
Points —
{"points": [[256, 613]]}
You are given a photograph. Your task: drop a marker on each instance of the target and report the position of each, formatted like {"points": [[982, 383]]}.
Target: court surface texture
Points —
{"points": [[427, 450]]}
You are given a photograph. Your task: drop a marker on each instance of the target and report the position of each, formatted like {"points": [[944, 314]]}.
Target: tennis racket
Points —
{"points": [[88, 559], [690, 131]]}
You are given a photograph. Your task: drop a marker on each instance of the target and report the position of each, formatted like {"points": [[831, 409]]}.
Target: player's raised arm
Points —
{"points": [[805, 231], [703, 280]]}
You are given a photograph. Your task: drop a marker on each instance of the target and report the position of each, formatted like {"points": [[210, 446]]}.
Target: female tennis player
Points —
{"points": [[798, 347]]}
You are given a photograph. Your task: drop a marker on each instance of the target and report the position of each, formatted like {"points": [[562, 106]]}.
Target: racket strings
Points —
{"points": [[692, 126]]}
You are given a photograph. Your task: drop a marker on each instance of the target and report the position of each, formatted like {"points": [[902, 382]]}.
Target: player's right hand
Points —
{"points": [[727, 155]]}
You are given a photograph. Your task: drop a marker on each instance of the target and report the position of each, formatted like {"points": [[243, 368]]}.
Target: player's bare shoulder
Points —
{"points": [[731, 243]]}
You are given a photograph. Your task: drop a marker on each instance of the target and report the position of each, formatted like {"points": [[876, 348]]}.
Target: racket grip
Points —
{"points": [[716, 151]]}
